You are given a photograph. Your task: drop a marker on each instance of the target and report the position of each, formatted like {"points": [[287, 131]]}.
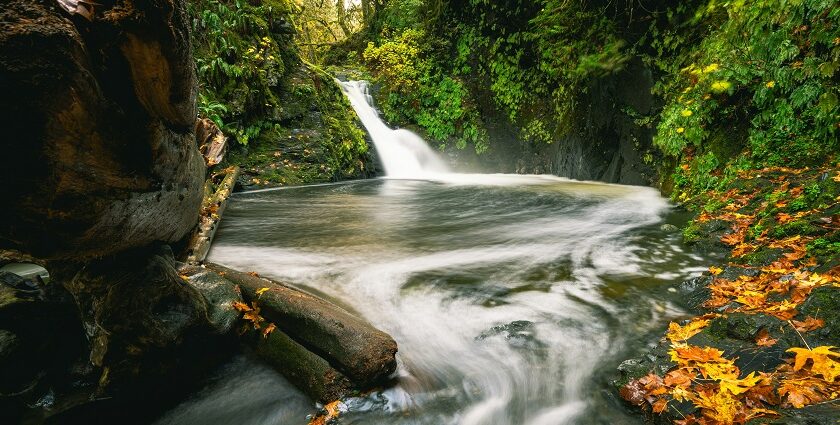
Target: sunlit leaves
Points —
{"points": [[823, 361], [681, 333]]}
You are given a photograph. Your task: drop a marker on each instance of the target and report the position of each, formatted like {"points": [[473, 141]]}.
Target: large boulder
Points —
{"points": [[98, 118]]}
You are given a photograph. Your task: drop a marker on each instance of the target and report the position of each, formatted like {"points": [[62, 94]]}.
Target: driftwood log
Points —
{"points": [[212, 207], [316, 334]]}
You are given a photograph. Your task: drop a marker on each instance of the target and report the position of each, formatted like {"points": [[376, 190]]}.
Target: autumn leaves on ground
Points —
{"points": [[762, 342]]}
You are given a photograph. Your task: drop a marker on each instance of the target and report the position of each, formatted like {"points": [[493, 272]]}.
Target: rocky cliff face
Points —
{"points": [[605, 144], [98, 118]]}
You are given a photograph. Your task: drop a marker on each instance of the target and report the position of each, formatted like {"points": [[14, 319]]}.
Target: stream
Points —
{"points": [[512, 298]]}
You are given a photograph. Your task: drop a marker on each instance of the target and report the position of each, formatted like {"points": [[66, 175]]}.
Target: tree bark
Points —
{"points": [[341, 13]]}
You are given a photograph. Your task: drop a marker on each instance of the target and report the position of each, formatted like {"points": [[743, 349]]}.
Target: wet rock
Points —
{"points": [[38, 338], [520, 334], [98, 119], [824, 304], [820, 414], [668, 228]]}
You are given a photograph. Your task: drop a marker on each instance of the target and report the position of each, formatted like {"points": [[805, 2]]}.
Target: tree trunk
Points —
{"points": [[367, 14], [342, 17]]}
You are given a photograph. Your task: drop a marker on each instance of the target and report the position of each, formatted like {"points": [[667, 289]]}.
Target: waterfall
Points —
{"points": [[403, 153]]}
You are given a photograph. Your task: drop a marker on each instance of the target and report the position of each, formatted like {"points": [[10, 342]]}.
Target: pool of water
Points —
{"points": [[512, 298]]}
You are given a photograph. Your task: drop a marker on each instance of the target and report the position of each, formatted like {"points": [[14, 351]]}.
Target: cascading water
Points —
{"points": [[403, 153]]}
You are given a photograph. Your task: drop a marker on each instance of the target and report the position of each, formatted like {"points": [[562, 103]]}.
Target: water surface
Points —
{"points": [[512, 298]]}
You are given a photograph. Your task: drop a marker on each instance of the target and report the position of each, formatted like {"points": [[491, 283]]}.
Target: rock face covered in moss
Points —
{"points": [[99, 119], [288, 120]]}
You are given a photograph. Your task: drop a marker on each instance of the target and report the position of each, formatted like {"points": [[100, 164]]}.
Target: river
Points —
{"points": [[512, 298]]}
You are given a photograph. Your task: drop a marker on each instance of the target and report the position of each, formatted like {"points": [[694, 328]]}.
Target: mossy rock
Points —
{"points": [[824, 304]]}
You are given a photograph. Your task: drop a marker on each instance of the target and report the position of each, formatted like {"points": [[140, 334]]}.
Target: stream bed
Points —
{"points": [[512, 298]]}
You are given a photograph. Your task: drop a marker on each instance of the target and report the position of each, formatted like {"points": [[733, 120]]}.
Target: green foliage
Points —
{"points": [[532, 55], [415, 91], [254, 86], [240, 63], [770, 64]]}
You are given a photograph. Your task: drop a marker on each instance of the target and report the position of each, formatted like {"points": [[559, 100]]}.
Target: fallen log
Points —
{"points": [[352, 346], [304, 369], [212, 207]]}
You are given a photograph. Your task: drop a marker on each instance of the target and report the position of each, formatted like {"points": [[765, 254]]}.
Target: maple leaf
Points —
{"points": [[784, 217], [255, 274], [720, 406], [684, 354], [328, 414], [740, 386], [743, 249], [822, 358], [800, 392], [809, 324], [634, 392], [763, 339], [719, 370], [679, 377], [240, 306], [715, 270], [732, 238], [681, 333], [261, 291]]}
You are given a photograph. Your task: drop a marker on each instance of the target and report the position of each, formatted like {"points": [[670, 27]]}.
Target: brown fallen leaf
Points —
{"points": [[809, 324], [763, 339]]}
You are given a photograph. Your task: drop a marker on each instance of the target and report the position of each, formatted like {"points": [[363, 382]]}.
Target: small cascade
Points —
{"points": [[403, 154]]}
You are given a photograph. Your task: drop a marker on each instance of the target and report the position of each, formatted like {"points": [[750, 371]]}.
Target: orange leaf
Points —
{"points": [[268, 330], [240, 306]]}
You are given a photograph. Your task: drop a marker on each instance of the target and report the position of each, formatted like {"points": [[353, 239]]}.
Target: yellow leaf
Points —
{"points": [[261, 291], [823, 361], [682, 333], [720, 406], [739, 386], [715, 270]]}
